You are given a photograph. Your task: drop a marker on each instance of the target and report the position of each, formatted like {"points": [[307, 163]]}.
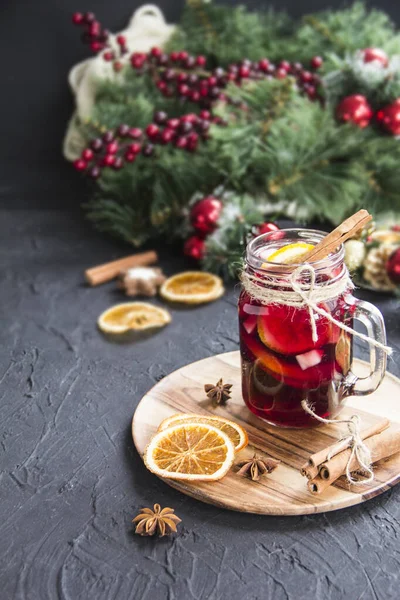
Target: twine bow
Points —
{"points": [[358, 449]]}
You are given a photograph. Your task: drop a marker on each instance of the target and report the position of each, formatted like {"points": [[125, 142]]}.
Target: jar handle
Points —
{"points": [[372, 318]]}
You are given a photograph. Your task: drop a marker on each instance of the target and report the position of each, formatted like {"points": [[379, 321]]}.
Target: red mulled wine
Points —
{"points": [[283, 363]]}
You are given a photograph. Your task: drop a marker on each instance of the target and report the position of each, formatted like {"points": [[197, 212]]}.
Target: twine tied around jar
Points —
{"points": [[305, 295]]}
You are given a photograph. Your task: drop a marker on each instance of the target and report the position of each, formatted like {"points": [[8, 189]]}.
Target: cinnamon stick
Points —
{"points": [[317, 459], [381, 446], [107, 271], [318, 485], [309, 471], [340, 234]]}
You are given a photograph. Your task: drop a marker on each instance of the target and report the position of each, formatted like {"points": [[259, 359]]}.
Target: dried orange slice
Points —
{"points": [[132, 315], [235, 432], [192, 287], [290, 252], [190, 452]]}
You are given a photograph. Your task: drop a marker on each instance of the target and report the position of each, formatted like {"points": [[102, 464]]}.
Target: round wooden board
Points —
{"points": [[284, 492]]}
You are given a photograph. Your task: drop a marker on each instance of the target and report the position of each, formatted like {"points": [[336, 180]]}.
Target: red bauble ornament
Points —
{"points": [[195, 247], [267, 228], [375, 55], [393, 267], [354, 109], [389, 117], [205, 214]]}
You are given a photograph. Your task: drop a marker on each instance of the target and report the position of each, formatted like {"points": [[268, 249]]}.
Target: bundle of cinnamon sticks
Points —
{"points": [[326, 466]]}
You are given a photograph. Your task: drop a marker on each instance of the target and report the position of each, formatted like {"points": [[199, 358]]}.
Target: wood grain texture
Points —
{"points": [[283, 492]]}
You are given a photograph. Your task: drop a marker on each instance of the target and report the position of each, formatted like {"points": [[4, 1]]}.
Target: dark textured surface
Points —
{"points": [[71, 480]]}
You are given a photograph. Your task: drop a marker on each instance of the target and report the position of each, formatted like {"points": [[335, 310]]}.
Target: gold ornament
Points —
{"points": [[386, 236], [375, 267]]}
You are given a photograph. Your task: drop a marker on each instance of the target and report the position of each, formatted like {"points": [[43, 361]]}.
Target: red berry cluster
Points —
{"points": [[307, 80], [116, 148], [180, 74], [111, 55], [93, 34]]}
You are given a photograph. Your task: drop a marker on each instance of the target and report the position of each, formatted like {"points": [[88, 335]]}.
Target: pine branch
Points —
{"points": [[197, 7], [228, 34], [324, 31], [277, 106], [118, 220]]}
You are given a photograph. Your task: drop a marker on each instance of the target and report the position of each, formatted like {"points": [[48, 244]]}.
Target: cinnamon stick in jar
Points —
{"points": [[335, 238], [110, 270]]}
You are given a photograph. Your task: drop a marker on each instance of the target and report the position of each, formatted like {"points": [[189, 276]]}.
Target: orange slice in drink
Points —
{"points": [[235, 432], [290, 371], [192, 287], [132, 316], [264, 382], [290, 253], [190, 452]]}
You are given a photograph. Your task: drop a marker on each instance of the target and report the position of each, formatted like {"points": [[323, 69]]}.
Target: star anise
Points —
{"points": [[218, 393], [160, 521], [257, 466]]}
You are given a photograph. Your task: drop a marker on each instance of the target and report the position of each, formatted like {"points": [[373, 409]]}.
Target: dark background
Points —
{"points": [[38, 46]]}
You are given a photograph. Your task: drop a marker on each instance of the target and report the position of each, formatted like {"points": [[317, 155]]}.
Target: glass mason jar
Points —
{"points": [[281, 364]]}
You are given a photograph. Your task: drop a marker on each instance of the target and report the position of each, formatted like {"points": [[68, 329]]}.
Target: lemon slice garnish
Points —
{"points": [[289, 253]]}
